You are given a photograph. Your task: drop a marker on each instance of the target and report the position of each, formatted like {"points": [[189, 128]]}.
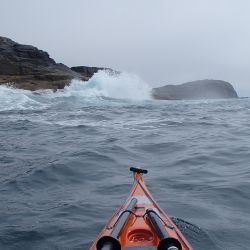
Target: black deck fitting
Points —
{"points": [[139, 170]]}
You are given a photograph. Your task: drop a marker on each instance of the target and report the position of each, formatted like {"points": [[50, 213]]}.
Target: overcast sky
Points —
{"points": [[163, 41]]}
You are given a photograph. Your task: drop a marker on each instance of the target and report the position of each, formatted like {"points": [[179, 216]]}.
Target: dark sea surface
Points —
{"points": [[65, 156]]}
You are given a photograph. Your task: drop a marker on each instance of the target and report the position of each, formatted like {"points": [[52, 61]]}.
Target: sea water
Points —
{"points": [[65, 156]]}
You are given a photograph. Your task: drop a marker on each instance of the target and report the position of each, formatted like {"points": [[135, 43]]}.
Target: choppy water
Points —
{"points": [[64, 160]]}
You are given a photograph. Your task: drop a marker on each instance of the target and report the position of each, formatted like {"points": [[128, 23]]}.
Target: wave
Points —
{"points": [[18, 99], [103, 85], [110, 85]]}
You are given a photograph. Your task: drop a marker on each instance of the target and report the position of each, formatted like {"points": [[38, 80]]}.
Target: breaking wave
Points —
{"points": [[18, 99], [103, 84], [110, 85]]}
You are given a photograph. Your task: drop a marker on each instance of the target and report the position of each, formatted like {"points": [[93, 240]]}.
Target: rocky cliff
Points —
{"points": [[202, 89], [27, 67]]}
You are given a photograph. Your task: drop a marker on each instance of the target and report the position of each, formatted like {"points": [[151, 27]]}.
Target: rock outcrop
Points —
{"points": [[86, 71], [201, 89], [27, 67]]}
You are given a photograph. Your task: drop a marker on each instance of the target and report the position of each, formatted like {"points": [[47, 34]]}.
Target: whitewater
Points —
{"points": [[65, 155], [103, 84]]}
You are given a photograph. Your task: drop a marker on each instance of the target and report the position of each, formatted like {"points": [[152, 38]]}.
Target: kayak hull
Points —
{"points": [[140, 231]]}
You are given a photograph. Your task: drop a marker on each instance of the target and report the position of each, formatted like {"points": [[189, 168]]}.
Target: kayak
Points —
{"points": [[140, 224]]}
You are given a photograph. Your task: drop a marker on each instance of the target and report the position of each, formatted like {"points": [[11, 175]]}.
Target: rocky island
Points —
{"points": [[201, 89], [27, 67]]}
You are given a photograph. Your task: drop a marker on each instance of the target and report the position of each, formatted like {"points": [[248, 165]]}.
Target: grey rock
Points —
{"points": [[27, 67], [88, 72], [201, 89]]}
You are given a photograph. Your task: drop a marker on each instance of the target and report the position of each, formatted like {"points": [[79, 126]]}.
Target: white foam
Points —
{"points": [[104, 84], [17, 99], [107, 84]]}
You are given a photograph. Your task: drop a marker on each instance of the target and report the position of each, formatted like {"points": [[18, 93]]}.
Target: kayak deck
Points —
{"points": [[140, 248], [140, 224]]}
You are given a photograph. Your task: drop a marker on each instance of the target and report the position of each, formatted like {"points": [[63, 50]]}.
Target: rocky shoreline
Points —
{"points": [[27, 67]]}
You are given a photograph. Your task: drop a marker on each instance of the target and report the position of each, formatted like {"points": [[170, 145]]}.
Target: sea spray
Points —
{"points": [[103, 85], [107, 84]]}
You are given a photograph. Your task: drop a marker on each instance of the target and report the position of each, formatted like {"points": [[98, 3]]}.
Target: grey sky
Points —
{"points": [[163, 41]]}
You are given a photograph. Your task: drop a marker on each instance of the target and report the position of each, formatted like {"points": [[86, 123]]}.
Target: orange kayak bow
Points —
{"points": [[140, 224]]}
